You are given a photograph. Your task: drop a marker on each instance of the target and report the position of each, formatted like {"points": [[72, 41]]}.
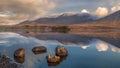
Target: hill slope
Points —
{"points": [[65, 18]]}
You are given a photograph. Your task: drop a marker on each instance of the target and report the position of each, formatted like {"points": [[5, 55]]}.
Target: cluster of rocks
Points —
{"points": [[61, 53], [6, 62], [19, 56]]}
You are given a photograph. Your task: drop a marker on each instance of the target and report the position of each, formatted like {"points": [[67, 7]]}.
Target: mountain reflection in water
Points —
{"points": [[87, 53], [76, 38]]}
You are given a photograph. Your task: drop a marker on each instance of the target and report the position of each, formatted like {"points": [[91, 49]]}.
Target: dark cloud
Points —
{"points": [[24, 9]]}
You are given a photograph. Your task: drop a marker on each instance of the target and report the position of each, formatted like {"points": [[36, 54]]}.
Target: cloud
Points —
{"points": [[115, 8], [84, 11], [101, 11], [20, 10]]}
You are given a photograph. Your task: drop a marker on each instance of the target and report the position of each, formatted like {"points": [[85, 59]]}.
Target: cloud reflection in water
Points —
{"points": [[13, 41], [101, 46]]}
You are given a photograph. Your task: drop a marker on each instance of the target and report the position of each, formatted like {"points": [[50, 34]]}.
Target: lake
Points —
{"points": [[83, 51]]}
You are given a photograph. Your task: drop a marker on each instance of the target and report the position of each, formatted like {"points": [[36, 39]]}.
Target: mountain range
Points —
{"points": [[76, 18]]}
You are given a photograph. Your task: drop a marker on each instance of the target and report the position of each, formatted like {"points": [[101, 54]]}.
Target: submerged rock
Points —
{"points": [[19, 53], [40, 49], [53, 59], [61, 51]]}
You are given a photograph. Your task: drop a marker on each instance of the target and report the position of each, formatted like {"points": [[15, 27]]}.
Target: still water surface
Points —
{"points": [[84, 52]]}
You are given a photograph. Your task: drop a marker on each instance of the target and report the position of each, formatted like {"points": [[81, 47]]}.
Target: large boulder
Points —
{"points": [[19, 53], [39, 49], [53, 59], [61, 51]]}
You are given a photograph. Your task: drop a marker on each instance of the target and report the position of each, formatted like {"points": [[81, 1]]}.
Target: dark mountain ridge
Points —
{"points": [[64, 19]]}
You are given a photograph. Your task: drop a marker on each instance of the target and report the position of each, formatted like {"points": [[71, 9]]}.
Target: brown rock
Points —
{"points": [[40, 49], [19, 53], [53, 59], [61, 51]]}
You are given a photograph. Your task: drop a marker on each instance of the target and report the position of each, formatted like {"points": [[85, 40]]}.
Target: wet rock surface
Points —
{"points": [[53, 59], [61, 51], [19, 53], [39, 50]]}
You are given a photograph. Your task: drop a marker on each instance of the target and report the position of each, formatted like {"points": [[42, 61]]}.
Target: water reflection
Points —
{"points": [[15, 41], [95, 54], [102, 46], [115, 49], [76, 38], [84, 46]]}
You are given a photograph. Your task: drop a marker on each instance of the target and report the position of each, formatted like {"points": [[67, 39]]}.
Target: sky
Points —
{"points": [[16, 11]]}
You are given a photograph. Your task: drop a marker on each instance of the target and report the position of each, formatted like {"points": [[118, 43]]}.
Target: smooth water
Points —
{"points": [[87, 53]]}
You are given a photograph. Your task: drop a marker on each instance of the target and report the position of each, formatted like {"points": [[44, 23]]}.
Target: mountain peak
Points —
{"points": [[67, 14], [76, 14]]}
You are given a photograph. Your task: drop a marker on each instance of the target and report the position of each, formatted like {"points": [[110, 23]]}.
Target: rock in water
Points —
{"points": [[53, 59], [19, 53], [40, 49], [61, 51]]}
